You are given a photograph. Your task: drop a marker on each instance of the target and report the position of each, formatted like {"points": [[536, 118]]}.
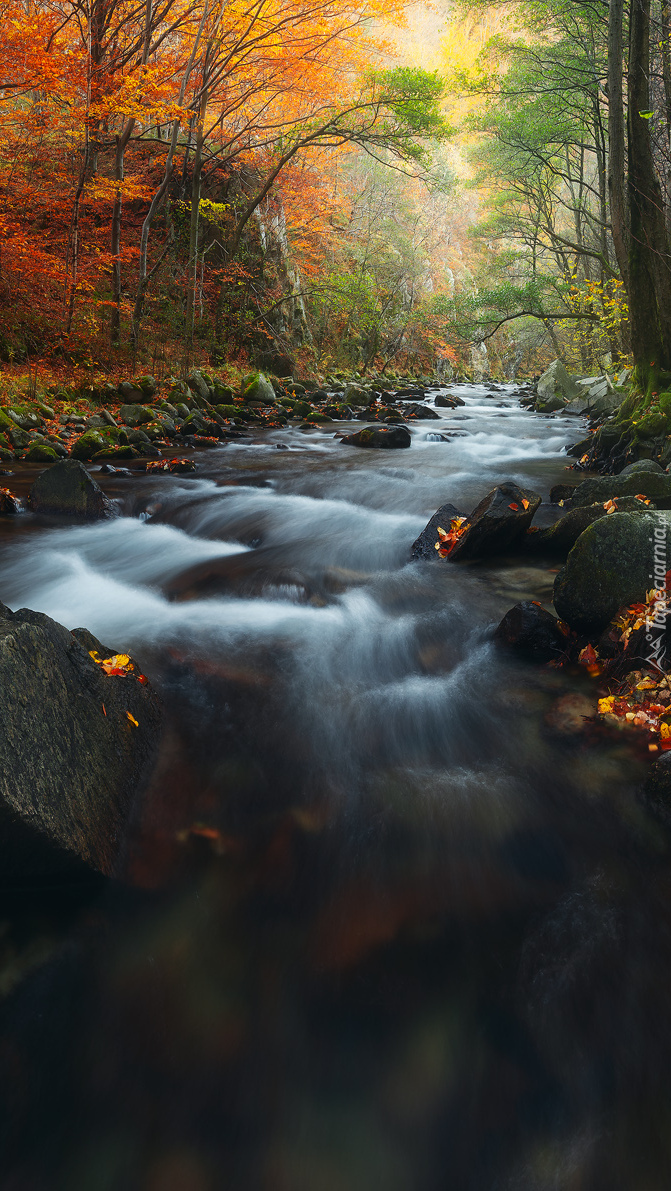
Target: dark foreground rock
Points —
{"points": [[68, 490], [448, 401], [425, 545], [391, 439], [656, 793], [611, 564], [76, 747], [500, 519], [531, 631]]}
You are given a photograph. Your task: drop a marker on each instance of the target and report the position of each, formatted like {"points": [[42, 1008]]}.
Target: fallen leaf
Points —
{"points": [[132, 719], [514, 507]]}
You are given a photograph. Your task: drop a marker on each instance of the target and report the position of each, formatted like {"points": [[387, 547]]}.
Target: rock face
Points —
{"points": [[389, 439], [654, 484], [71, 758], [531, 631], [497, 522], [67, 489], [425, 545], [611, 564], [556, 388]]}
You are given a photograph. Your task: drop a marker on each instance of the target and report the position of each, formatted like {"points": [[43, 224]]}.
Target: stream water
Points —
{"points": [[388, 920]]}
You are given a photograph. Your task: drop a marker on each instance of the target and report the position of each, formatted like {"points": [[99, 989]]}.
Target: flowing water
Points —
{"points": [[387, 920]]}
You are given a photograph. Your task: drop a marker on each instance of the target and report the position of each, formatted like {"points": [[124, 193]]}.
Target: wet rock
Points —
{"points": [[421, 412], [561, 492], [499, 520], [448, 401], [531, 631], [393, 438], [611, 564], [69, 771], [67, 489], [425, 545], [135, 415], [10, 504], [562, 536], [125, 451], [656, 793], [654, 484]]}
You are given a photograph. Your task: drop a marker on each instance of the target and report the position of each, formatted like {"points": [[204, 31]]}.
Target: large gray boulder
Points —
{"points": [[654, 484], [612, 564], [556, 388], [357, 395], [501, 518], [76, 747], [136, 415], [67, 489]]}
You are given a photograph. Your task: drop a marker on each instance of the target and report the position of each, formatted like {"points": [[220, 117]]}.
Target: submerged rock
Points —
{"points": [[531, 631], [75, 748], [425, 545], [501, 518], [610, 565], [67, 489], [391, 439]]}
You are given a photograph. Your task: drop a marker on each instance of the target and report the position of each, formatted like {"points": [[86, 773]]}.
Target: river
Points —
{"points": [[387, 921]]}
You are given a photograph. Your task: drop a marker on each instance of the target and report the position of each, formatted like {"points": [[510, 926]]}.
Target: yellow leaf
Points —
{"points": [[606, 705], [132, 719]]}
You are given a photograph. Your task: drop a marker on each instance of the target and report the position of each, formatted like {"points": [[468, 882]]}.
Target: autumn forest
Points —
{"points": [[370, 187]]}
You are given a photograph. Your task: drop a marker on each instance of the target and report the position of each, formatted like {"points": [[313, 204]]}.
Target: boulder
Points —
{"points": [[10, 504], [556, 388], [357, 395], [500, 519], [531, 631], [611, 564], [654, 484], [25, 418], [129, 392], [641, 466], [448, 401], [425, 545], [421, 412], [88, 445], [67, 489], [563, 535], [147, 386], [277, 363], [135, 415], [76, 747], [198, 384], [40, 452], [561, 492], [392, 438], [258, 388]]}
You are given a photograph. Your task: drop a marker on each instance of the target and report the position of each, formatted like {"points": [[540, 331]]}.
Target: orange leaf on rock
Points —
{"points": [[132, 719], [514, 507]]}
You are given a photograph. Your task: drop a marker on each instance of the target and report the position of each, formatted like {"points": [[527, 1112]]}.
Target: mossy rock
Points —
{"points": [[652, 424], [88, 445], [227, 411], [257, 387], [39, 452], [146, 384], [119, 452], [611, 564], [222, 393], [26, 418], [654, 484], [319, 417], [6, 456]]}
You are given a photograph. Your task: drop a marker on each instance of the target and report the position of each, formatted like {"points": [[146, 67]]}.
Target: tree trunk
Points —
{"points": [[121, 142], [616, 154], [649, 259]]}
